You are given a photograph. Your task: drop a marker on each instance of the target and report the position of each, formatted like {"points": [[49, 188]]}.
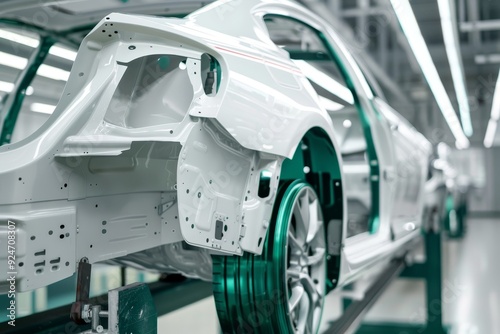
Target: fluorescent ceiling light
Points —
{"points": [[13, 61], [9, 86], [20, 63], [490, 133], [52, 72], [6, 86], [495, 116], [325, 81], [42, 108], [487, 59], [329, 104], [63, 52], [33, 42], [495, 106], [18, 38], [449, 27], [412, 32]]}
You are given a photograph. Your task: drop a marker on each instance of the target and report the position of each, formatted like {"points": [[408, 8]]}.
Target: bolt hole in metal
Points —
{"points": [[305, 262]]}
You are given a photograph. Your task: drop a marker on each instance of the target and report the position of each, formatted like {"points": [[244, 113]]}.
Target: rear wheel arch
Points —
{"points": [[257, 293], [316, 161]]}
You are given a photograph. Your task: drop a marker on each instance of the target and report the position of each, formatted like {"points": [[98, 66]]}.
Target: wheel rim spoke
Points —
{"points": [[297, 294], [295, 243], [303, 313], [306, 271], [300, 230], [314, 222], [316, 258], [310, 287], [305, 212], [293, 273]]}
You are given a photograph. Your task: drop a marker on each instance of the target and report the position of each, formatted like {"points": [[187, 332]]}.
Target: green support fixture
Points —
{"points": [[455, 219], [430, 271], [132, 310]]}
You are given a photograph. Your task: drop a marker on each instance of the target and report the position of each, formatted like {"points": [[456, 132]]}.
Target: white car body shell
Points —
{"points": [[94, 182]]}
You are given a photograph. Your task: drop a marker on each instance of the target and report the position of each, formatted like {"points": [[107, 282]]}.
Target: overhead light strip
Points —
{"points": [[7, 87], [491, 130], [33, 43], [42, 108], [10, 60], [495, 107], [20, 63], [410, 28], [495, 116], [487, 59], [451, 43], [18, 38]]}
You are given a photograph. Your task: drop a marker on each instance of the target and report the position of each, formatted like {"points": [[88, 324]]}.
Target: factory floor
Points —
{"points": [[471, 291]]}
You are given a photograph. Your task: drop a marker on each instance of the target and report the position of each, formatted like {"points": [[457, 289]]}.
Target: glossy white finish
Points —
{"points": [[137, 176]]}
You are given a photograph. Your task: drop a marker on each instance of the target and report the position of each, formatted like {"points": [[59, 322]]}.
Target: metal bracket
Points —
{"points": [[82, 292]]}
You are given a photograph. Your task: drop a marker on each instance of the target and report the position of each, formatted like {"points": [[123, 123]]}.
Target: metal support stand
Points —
{"points": [[455, 222], [131, 308], [167, 297], [430, 271]]}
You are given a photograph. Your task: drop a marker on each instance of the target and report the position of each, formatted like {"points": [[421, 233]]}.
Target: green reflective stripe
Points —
{"points": [[16, 97], [371, 152], [219, 74], [308, 55]]}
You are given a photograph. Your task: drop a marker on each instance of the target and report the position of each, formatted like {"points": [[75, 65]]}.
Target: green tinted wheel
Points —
{"points": [[282, 290]]}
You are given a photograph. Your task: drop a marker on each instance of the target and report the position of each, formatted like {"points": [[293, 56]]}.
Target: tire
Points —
{"points": [[282, 290]]}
